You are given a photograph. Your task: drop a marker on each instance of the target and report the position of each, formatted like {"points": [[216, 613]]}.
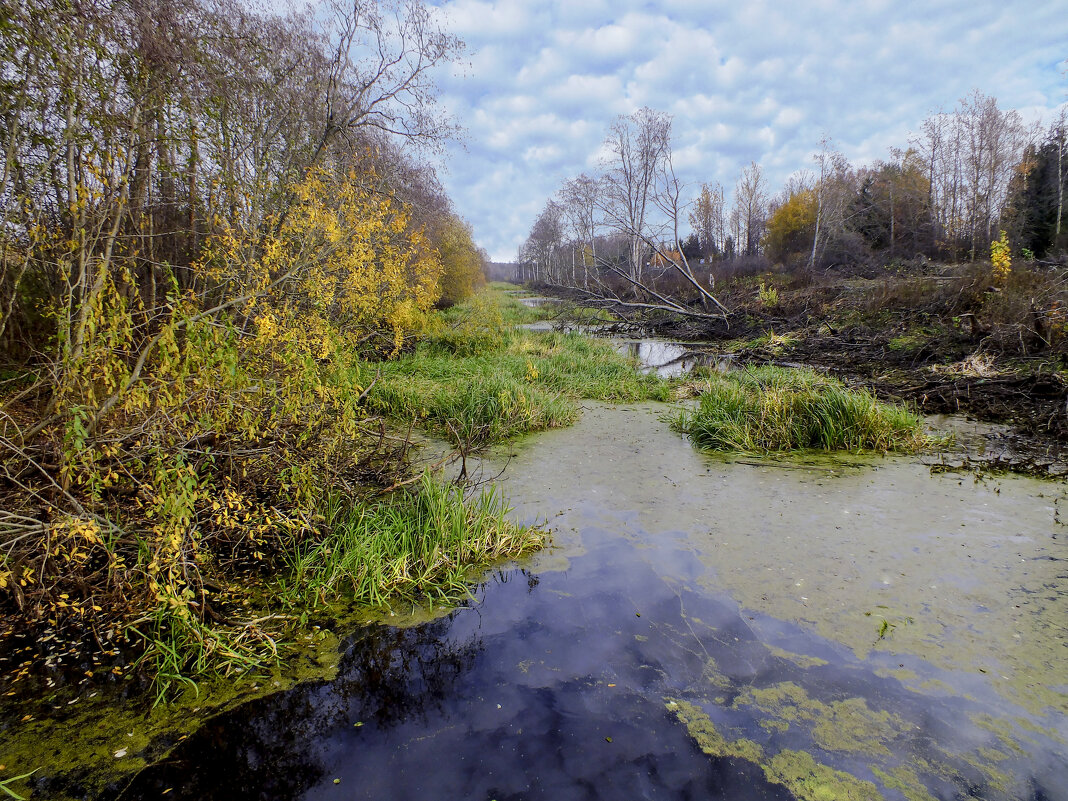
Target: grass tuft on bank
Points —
{"points": [[479, 380], [420, 546], [774, 409]]}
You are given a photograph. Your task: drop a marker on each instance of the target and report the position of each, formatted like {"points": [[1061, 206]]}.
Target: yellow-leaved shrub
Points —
{"points": [[208, 430]]}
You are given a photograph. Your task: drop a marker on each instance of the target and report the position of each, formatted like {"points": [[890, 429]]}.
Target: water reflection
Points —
{"points": [[561, 690], [522, 695], [669, 359], [535, 302], [679, 580]]}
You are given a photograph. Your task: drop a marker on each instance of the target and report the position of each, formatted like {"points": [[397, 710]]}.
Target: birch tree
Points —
{"points": [[637, 147], [751, 207], [706, 219]]}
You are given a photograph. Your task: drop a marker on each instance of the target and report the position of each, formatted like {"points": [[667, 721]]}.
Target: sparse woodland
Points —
{"points": [[972, 206], [213, 221]]}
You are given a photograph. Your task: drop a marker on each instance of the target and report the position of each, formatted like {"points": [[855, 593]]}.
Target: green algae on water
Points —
{"points": [[100, 738], [848, 725], [797, 771], [810, 780], [708, 738], [905, 781], [803, 661]]}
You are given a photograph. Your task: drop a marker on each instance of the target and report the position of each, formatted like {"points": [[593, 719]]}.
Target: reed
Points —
{"points": [[501, 387]]}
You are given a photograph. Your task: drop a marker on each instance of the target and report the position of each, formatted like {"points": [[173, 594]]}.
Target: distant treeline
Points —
{"points": [[965, 177]]}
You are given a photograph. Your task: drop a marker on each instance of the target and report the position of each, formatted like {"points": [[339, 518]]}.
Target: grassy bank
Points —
{"points": [[771, 409], [478, 379], [422, 547]]}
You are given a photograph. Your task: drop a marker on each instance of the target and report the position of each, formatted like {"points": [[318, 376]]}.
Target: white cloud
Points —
{"points": [[760, 80]]}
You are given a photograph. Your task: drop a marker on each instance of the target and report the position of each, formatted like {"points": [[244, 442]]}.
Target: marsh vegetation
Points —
{"points": [[768, 409]]}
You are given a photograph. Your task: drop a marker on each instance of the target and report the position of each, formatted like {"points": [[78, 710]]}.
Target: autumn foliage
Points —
{"points": [[199, 273]]}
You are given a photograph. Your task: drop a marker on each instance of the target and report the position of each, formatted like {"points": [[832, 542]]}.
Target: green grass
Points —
{"points": [[420, 546], [479, 381], [912, 340], [772, 409]]}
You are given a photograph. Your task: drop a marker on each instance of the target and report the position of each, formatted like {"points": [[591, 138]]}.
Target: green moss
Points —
{"points": [[810, 780], [909, 342], [771, 342], [905, 781]]}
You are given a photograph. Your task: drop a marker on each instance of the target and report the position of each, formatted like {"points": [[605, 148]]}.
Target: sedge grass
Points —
{"points": [[772, 409], [420, 546], [514, 382]]}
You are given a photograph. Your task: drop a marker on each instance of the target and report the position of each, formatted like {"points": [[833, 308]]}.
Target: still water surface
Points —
{"points": [[702, 628]]}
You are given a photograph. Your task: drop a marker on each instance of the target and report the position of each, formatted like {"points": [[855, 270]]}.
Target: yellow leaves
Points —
{"points": [[74, 541], [357, 267], [1001, 259]]}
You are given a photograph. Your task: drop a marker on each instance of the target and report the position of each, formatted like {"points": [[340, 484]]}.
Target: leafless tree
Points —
{"points": [[834, 190], [544, 246], [637, 147], [380, 72], [969, 156], [750, 207], [993, 142], [639, 202], [707, 219], [580, 200]]}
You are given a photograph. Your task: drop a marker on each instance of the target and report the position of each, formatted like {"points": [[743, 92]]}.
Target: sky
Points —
{"points": [[750, 80]]}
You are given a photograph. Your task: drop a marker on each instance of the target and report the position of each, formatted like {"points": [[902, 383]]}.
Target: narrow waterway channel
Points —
{"points": [[702, 628]]}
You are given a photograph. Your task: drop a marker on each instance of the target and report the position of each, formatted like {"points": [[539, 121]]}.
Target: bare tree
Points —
{"points": [[834, 191], [707, 220], [580, 199], [545, 244], [380, 74], [641, 203], [638, 145], [993, 140], [1059, 137], [969, 156], [751, 205]]}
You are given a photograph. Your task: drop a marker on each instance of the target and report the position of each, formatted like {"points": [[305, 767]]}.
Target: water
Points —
{"points": [[537, 302], [668, 359], [702, 628]]}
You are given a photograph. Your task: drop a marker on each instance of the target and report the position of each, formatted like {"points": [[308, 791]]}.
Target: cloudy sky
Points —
{"points": [[749, 80]]}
